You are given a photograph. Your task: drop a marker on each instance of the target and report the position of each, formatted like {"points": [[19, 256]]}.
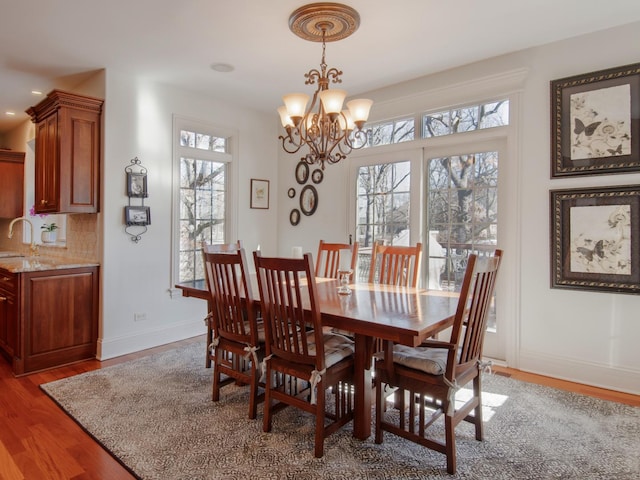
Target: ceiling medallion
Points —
{"points": [[327, 22], [329, 132]]}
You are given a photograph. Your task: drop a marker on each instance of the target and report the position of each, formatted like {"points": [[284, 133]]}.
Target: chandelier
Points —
{"points": [[329, 131]]}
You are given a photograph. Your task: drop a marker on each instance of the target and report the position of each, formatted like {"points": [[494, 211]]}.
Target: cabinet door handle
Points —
{"points": [[3, 299]]}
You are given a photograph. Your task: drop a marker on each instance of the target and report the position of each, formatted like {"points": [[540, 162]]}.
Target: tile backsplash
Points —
{"points": [[81, 243]]}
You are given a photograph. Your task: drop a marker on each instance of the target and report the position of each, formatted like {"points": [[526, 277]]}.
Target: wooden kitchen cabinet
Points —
{"points": [[67, 153], [53, 320], [11, 184]]}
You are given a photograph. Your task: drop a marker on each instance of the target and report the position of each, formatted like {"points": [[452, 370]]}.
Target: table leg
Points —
{"points": [[363, 387]]}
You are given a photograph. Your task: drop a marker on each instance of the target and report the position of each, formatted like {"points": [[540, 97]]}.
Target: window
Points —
{"points": [[458, 120], [387, 133], [382, 209], [203, 163], [462, 213]]}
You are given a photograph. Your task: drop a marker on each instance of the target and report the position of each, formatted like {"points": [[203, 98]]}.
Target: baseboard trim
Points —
{"points": [[123, 345], [588, 373]]}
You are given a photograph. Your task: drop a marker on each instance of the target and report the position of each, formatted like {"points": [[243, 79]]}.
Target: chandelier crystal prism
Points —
{"points": [[329, 131]]}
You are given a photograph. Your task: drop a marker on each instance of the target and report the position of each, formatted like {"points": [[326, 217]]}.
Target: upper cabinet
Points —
{"points": [[67, 153], [11, 184]]}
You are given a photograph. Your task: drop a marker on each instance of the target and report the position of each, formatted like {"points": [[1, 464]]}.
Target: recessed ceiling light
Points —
{"points": [[10, 113], [222, 67], [36, 92]]}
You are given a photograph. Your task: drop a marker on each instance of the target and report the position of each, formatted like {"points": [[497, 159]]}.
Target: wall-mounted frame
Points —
{"points": [[594, 239], [137, 185], [317, 175], [291, 192], [259, 193], [595, 123], [302, 173], [137, 216], [308, 200], [294, 217]]}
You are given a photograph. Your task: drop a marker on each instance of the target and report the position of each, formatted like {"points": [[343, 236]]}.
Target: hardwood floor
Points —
{"points": [[39, 441]]}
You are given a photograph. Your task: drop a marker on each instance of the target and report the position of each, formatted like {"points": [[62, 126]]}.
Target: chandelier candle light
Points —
{"points": [[330, 132]]}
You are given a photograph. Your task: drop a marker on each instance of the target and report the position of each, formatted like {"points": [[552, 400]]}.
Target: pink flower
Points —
{"points": [[32, 212]]}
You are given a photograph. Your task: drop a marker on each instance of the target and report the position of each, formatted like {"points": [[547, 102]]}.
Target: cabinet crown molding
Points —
{"points": [[59, 98]]}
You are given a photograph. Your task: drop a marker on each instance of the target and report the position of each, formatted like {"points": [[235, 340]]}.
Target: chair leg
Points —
{"points": [[207, 362], [380, 404], [477, 392], [215, 392], [450, 439], [320, 412], [266, 416], [253, 394]]}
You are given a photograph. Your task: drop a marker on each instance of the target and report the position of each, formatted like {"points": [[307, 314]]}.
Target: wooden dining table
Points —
{"points": [[403, 315]]}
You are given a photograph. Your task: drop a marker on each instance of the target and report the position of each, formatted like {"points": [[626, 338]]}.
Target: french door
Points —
{"points": [[464, 212]]}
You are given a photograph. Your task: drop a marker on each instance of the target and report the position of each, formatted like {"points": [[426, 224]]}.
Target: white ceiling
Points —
{"points": [[48, 44]]}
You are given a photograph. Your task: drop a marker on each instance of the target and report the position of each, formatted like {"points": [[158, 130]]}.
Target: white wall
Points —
{"points": [[587, 337], [136, 277]]}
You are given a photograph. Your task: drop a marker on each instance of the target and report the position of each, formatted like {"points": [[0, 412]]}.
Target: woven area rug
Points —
{"points": [[155, 415]]}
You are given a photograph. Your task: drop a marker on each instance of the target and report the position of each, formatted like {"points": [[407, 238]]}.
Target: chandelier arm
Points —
{"points": [[289, 140]]}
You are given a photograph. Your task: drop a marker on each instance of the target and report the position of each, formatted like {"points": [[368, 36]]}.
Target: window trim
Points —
{"points": [[231, 197]]}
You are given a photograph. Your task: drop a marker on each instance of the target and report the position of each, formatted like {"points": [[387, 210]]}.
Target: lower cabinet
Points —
{"points": [[56, 318]]}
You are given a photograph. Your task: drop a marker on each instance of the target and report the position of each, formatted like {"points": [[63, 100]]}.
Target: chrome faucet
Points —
{"points": [[34, 247]]}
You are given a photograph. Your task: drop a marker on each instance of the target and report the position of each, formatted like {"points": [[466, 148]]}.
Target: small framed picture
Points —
{"points": [[259, 193], [317, 175], [595, 123], [302, 173], [294, 217], [137, 185], [594, 239], [137, 215], [291, 192], [308, 200]]}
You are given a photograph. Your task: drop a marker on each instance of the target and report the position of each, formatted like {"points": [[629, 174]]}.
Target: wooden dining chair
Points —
{"points": [[425, 379], [395, 264], [208, 320], [328, 259], [238, 342], [303, 363]]}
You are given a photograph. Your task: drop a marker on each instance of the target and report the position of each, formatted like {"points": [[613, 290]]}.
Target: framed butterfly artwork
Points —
{"points": [[595, 123], [594, 239]]}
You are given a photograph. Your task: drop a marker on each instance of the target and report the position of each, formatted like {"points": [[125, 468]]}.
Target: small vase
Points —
{"points": [[48, 237]]}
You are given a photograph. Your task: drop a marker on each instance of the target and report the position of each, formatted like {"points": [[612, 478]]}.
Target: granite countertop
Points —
{"points": [[40, 263]]}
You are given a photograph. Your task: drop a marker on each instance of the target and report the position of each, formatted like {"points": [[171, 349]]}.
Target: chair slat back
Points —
{"points": [[287, 287], [328, 259], [226, 274], [474, 303], [395, 264]]}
